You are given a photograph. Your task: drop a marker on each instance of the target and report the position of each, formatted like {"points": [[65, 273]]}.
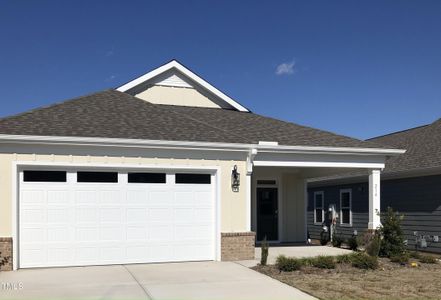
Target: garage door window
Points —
{"points": [[193, 178], [97, 177], [146, 177], [44, 176]]}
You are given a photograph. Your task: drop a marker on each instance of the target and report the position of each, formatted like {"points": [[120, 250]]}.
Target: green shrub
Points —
{"points": [[401, 258], [323, 262], [324, 238], [337, 240], [344, 258], [372, 244], [427, 259], [364, 261], [264, 252], [306, 261], [392, 243], [352, 243], [288, 264]]}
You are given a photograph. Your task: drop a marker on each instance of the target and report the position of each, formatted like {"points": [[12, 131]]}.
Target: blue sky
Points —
{"points": [[359, 68]]}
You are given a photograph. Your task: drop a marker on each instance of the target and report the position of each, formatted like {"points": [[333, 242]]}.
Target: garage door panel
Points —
{"points": [[86, 197], [160, 214], [137, 233], [86, 214], [36, 197], [110, 214], [75, 224]]}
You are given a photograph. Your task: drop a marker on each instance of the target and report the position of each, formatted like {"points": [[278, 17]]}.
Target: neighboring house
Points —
{"points": [[411, 185], [163, 168]]}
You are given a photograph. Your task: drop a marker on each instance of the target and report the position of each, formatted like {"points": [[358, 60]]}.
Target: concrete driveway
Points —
{"points": [[196, 280]]}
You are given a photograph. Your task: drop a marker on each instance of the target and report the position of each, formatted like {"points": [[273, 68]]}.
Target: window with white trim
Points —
{"points": [[319, 212], [346, 207]]}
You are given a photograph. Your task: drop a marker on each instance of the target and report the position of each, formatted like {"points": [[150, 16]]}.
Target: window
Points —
{"points": [[44, 176], [97, 176], [345, 207], [319, 212], [146, 177], [193, 178]]}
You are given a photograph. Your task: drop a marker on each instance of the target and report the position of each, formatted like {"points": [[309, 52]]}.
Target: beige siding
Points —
{"points": [[176, 96], [292, 214], [233, 204]]}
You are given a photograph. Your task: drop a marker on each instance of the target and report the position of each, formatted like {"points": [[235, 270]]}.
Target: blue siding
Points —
{"points": [[418, 199]]}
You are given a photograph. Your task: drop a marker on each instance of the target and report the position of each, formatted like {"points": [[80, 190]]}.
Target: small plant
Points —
{"points": [[344, 258], [323, 262], [373, 244], [264, 252], [392, 243], [364, 261], [324, 238], [352, 243], [427, 259], [337, 240], [402, 258], [288, 264]]}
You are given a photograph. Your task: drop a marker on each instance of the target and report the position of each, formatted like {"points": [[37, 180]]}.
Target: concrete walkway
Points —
{"points": [[294, 251], [198, 280]]}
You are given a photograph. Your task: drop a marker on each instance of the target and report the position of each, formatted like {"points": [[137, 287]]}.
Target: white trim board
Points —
{"points": [[176, 65], [163, 144]]}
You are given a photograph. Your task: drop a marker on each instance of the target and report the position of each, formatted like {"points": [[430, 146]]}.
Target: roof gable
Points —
{"points": [[176, 75]]}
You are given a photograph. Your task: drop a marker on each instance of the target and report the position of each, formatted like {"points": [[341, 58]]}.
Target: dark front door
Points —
{"points": [[267, 214]]}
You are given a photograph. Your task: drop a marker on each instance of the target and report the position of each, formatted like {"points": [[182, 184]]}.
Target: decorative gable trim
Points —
{"points": [[177, 80]]}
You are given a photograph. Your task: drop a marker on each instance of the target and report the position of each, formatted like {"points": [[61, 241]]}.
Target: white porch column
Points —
{"points": [[374, 199], [248, 205], [252, 153]]}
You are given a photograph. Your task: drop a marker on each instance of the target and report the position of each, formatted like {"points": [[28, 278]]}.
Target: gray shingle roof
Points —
{"points": [[114, 114], [423, 145]]}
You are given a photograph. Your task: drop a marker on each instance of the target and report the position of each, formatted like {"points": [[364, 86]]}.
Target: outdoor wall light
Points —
{"points": [[235, 179]]}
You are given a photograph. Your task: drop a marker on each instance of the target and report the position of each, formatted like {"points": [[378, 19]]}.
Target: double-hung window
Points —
{"points": [[319, 212], [346, 207]]}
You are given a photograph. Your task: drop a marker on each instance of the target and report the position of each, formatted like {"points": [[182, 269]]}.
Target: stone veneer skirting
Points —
{"points": [[5, 254], [237, 245]]}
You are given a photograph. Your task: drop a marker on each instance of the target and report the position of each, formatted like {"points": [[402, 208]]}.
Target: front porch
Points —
{"points": [[279, 197]]}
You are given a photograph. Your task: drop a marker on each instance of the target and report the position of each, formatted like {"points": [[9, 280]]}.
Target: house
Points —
{"points": [[410, 184], [163, 168]]}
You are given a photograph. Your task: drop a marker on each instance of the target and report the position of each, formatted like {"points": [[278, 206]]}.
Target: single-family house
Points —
{"points": [[164, 168]]}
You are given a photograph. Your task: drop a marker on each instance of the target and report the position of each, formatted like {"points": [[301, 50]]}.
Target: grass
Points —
{"points": [[389, 281]]}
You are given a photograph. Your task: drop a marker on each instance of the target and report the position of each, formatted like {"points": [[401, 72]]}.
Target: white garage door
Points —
{"points": [[77, 218]]}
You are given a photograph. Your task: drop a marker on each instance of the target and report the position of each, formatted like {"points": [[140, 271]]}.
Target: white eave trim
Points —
{"points": [[175, 64], [138, 143]]}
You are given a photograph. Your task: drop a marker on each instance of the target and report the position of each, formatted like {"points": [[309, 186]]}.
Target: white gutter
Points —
{"points": [[137, 143]]}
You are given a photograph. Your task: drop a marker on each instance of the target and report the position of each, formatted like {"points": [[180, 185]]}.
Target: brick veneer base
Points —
{"points": [[237, 245], [6, 254]]}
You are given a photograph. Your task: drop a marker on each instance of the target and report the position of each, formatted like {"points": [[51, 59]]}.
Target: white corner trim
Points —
{"points": [[175, 64]]}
